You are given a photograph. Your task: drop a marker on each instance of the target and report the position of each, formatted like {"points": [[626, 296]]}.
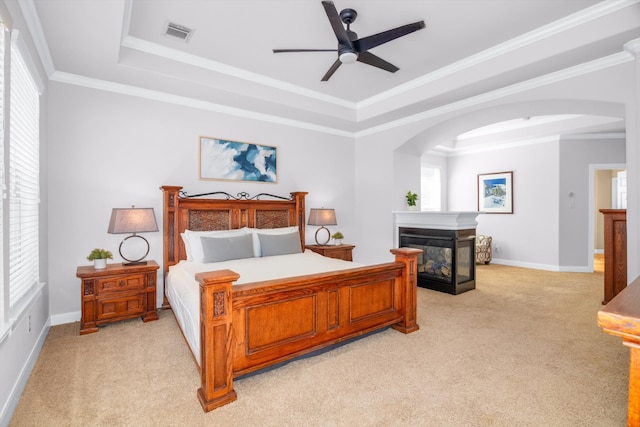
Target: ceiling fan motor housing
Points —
{"points": [[348, 16]]}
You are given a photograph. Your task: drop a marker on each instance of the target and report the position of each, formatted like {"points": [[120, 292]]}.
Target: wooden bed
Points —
{"points": [[251, 326]]}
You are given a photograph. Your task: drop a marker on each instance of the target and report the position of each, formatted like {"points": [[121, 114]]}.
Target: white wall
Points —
{"points": [[576, 250], [408, 171], [108, 150], [549, 229], [530, 234]]}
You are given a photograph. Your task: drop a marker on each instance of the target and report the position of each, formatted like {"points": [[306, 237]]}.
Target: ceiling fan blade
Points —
{"points": [[332, 70], [303, 50], [336, 24], [372, 41], [376, 61]]}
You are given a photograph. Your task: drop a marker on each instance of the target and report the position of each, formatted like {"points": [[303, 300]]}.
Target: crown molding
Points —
{"points": [[521, 143], [578, 70], [503, 146], [237, 73], [30, 13], [567, 73], [633, 46], [591, 136], [107, 86], [601, 9], [589, 14]]}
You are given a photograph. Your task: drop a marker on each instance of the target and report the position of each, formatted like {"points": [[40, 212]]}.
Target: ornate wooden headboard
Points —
{"points": [[202, 212]]}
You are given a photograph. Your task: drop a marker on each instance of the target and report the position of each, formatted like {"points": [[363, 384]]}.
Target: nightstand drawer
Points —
{"points": [[122, 306], [338, 254], [121, 283], [342, 252]]}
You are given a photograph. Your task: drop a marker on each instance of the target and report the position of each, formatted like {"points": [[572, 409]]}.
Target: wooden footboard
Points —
{"points": [[249, 327]]}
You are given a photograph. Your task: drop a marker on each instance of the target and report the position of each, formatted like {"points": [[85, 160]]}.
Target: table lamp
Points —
{"points": [[322, 217], [133, 220]]}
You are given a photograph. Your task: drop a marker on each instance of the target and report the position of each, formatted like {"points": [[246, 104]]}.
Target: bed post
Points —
{"points": [[216, 339], [298, 196], [170, 233], [170, 224], [409, 257]]}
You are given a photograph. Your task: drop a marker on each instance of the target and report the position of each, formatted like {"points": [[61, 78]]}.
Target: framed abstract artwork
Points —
{"points": [[495, 192], [237, 161]]}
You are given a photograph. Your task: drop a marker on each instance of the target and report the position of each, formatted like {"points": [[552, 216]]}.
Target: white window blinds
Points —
{"points": [[3, 294], [24, 189]]}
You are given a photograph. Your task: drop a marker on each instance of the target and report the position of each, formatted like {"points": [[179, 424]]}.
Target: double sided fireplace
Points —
{"points": [[447, 263], [447, 241]]}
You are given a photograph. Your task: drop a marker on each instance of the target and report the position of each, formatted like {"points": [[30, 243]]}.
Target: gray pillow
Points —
{"points": [[217, 249], [280, 244]]}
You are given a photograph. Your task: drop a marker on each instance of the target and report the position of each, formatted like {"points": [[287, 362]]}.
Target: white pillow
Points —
{"points": [[270, 231], [193, 243]]}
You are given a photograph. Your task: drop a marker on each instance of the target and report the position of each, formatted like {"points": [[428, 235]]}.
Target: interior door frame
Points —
{"points": [[591, 233]]}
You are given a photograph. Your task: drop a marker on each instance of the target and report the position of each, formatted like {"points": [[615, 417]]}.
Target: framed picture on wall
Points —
{"points": [[237, 161], [495, 192]]}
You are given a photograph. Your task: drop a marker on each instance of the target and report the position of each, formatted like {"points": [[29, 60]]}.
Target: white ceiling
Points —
{"points": [[468, 47]]}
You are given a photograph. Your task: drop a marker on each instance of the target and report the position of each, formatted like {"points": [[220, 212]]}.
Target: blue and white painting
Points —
{"points": [[495, 192], [239, 161]]}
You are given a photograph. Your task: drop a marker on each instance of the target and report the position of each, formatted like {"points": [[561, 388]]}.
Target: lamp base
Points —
{"points": [[138, 261], [328, 236], [135, 263]]}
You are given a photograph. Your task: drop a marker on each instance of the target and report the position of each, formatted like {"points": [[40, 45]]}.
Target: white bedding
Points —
{"points": [[183, 292]]}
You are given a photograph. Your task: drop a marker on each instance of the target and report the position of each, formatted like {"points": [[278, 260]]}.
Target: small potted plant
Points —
{"points": [[337, 236], [411, 200], [99, 258]]}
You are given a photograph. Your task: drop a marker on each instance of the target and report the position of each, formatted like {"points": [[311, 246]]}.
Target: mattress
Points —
{"points": [[182, 289]]}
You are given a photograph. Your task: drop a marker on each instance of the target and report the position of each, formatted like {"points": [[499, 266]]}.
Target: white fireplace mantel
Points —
{"points": [[436, 220]]}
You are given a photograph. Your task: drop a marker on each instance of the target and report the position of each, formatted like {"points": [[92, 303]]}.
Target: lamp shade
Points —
{"points": [[322, 217], [132, 220]]}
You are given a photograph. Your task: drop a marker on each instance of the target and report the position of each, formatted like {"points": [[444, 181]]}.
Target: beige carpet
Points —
{"points": [[523, 349]]}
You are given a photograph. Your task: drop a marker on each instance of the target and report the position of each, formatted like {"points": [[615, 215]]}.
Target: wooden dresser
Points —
{"points": [[621, 317], [334, 251], [116, 293], [615, 252]]}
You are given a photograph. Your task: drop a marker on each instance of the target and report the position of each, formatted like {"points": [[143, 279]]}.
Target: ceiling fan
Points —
{"points": [[350, 47]]}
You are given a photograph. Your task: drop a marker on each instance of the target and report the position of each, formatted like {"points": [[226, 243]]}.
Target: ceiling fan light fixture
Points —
{"points": [[348, 57]]}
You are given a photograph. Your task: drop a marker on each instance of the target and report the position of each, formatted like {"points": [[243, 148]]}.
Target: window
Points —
{"points": [[3, 294], [23, 176], [430, 188]]}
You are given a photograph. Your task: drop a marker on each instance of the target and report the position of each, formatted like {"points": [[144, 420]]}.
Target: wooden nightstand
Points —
{"points": [[116, 293], [333, 251]]}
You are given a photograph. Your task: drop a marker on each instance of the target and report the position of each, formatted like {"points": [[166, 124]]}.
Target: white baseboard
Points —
{"points": [[546, 267], [18, 387], [60, 319]]}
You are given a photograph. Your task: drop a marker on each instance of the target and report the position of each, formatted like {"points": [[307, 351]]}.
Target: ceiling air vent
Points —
{"points": [[178, 31]]}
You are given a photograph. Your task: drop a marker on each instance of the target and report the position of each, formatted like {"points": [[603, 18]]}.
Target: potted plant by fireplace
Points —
{"points": [[99, 258], [411, 200]]}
